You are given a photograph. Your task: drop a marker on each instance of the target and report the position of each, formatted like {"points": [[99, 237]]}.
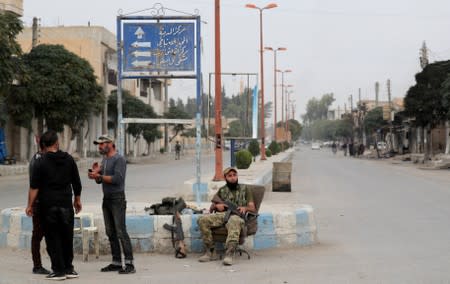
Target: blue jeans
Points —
{"points": [[114, 209]]}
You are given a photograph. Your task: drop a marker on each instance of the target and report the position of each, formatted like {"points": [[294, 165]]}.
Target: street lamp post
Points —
{"points": [[288, 95], [261, 50], [275, 86], [283, 91]]}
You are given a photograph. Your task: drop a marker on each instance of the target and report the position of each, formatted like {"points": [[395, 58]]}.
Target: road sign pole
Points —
{"points": [[198, 187], [120, 126]]}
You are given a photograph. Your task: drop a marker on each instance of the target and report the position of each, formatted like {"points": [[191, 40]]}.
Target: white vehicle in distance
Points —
{"points": [[315, 146], [381, 145]]}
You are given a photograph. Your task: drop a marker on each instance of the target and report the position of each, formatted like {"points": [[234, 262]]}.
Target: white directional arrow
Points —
{"points": [[141, 53], [137, 44], [139, 33], [144, 63]]}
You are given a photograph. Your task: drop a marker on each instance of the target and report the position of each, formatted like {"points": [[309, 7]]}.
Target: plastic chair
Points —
{"points": [[86, 233]]}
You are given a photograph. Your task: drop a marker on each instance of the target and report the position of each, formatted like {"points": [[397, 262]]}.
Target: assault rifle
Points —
{"points": [[232, 208], [176, 230]]}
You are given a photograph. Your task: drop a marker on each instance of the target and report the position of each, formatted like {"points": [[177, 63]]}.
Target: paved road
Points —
{"points": [[378, 222]]}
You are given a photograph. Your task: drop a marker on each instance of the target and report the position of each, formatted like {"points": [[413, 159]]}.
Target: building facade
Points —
{"points": [[98, 46], [15, 6]]}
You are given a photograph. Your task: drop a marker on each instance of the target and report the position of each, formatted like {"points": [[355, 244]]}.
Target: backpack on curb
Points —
{"points": [[168, 206]]}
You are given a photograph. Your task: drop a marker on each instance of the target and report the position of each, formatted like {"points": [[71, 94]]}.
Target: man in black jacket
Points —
{"points": [[54, 177], [38, 232]]}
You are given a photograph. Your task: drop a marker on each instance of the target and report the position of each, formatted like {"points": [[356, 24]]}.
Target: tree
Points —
{"points": [[134, 108], [175, 112], [236, 129], [58, 87], [10, 51], [62, 88], [426, 100], [254, 148], [374, 120], [295, 128], [318, 109], [150, 135], [344, 127]]}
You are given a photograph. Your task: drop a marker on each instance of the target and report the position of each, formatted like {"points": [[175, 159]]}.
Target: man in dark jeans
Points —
{"points": [[111, 174], [38, 232], [54, 177]]}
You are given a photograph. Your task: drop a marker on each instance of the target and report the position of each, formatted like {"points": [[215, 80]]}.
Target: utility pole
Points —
{"points": [[388, 85], [40, 123], [359, 96], [351, 102], [423, 55], [34, 39], [377, 90]]}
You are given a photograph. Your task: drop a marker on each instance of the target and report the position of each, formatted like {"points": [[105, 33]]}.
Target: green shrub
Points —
{"points": [[243, 159], [253, 147], [285, 145], [274, 147], [268, 153], [162, 150]]}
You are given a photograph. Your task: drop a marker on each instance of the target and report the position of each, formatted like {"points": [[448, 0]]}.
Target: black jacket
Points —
{"points": [[56, 175]]}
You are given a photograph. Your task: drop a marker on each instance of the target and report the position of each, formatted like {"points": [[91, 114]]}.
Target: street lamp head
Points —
{"points": [[268, 48], [282, 48], [270, 6], [252, 6], [284, 71]]}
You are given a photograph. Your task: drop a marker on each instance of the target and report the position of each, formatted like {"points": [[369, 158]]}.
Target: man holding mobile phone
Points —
{"points": [[111, 174]]}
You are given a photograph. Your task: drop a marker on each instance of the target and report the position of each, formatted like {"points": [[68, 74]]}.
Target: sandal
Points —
{"points": [[179, 253], [111, 267]]}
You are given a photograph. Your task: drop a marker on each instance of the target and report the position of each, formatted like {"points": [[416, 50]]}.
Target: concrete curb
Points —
{"points": [[22, 169], [275, 229], [278, 226]]}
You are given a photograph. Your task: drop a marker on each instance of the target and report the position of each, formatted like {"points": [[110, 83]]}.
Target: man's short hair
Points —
{"points": [[41, 144], [49, 138]]}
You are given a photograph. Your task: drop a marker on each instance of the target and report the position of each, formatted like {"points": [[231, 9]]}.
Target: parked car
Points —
{"points": [[315, 146]]}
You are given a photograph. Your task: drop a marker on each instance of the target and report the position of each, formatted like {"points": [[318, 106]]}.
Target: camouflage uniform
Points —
{"points": [[241, 197]]}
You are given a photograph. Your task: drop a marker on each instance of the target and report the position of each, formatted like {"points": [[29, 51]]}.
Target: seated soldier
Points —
{"points": [[236, 195]]}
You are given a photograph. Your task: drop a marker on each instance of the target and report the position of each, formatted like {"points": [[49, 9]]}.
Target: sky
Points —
{"points": [[332, 46]]}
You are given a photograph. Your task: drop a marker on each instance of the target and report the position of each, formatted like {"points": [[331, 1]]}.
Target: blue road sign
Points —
{"points": [[159, 47]]}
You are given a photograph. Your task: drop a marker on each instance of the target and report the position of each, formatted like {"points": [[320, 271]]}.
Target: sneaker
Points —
{"points": [[111, 267], [129, 268], [72, 274], [40, 270], [56, 276]]}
